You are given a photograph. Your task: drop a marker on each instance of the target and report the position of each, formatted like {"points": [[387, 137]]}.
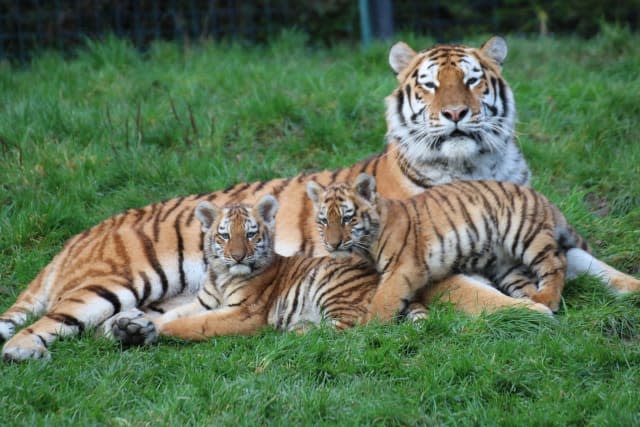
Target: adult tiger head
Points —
{"points": [[238, 238], [346, 215], [452, 103]]}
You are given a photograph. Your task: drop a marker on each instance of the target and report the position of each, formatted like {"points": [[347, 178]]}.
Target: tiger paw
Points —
{"points": [[548, 299], [624, 284], [416, 316], [300, 328], [22, 348], [132, 328], [7, 329], [415, 312], [536, 306]]}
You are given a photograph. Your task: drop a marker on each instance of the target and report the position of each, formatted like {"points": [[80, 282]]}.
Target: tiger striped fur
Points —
{"points": [[507, 233], [153, 257], [249, 286]]}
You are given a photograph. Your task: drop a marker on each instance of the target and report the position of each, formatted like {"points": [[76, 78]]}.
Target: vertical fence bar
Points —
{"points": [[117, 19], [383, 19], [195, 21], [365, 22], [19, 22], [136, 30], [57, 13], [155, 16], [97, 32]]}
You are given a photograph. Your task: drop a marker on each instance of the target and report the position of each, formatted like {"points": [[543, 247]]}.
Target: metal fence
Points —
{"points": [[28, 25]]}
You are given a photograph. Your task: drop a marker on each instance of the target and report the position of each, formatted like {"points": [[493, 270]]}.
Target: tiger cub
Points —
{"points": [[250, 286], [502, 231]]}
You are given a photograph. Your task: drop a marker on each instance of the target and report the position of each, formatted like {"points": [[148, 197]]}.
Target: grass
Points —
{"points": [[85, 138]]}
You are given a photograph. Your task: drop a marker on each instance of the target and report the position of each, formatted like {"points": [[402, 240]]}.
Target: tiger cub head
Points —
{"points": [[238, 239], [451, 103], [346, 215]]}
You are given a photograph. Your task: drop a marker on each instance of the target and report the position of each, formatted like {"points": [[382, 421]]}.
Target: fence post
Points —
{"points": [[383, 15], [376, 20], [365, 22]]}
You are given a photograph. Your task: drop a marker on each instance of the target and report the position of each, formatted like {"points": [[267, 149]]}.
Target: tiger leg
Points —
{"points": [[161, 307], [32, 301], [582, 262], [142, 317], [217, 322], [78, 310], [549, 265], [474, 295], [135, 327], [395, 289], [517, 282]]}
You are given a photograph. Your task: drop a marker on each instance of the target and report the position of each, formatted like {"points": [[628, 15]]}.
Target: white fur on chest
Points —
{"points": [[507, 166]]}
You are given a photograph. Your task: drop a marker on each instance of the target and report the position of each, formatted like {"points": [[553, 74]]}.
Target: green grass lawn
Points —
{"points": [[85, 138]]}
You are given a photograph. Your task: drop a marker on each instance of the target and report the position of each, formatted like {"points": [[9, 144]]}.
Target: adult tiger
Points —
{"points": [[451, 117]]}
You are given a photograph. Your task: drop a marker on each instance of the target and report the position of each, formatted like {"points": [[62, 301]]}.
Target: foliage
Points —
{"points": [[29, 25]]}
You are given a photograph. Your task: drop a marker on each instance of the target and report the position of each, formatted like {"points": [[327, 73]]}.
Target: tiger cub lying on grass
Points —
{"points": [[510, 234], [250, 286]]}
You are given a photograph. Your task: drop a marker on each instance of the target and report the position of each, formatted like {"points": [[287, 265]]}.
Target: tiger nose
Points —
{"points": [[335, 244], [455, 114], [237, 256]]}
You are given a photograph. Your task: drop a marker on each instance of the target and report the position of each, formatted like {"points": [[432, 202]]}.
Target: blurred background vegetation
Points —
{"points": [[28, 25]]}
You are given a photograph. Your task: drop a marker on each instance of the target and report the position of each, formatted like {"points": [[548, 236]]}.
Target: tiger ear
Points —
{"points": [[365, 187], [400, 56], [314, 191], [266, 208], [496, 49], [206, 213]]}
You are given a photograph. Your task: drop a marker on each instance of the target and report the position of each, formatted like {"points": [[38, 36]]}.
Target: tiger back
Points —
{"points": [[250, 286]]}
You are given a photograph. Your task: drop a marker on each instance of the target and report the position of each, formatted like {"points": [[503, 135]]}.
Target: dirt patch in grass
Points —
{"points": [[598, 204]]}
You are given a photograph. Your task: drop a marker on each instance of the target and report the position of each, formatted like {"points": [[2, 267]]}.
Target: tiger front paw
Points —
{"points": [[548, 298], [133, 328], [541, 308], [22, 348], [7, 329], [415, 312], [417, 316]]}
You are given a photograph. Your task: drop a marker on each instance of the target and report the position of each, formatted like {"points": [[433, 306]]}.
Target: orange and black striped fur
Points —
{"points": [[249, 286], [451, 117], [507, 233]]}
